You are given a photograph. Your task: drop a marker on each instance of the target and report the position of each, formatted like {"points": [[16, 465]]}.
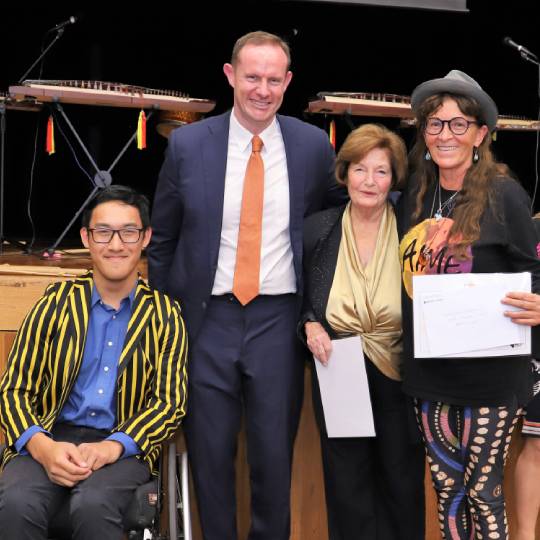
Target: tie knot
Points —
{"points": [[256, 144]]}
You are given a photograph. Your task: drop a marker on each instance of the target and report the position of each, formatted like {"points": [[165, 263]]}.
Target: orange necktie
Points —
{"points": [[248, 248]]}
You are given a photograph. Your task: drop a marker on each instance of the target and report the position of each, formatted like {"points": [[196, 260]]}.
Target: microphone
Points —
{"points": [[71, 20], [520, 48]]}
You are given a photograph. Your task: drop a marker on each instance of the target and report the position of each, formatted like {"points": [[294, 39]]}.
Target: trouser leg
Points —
{"points": [[213, 418], [399, 461], [490, 435], [467, 449], [349, 486], [97, 505], [28, 500], [272, 380], [442, 427]]}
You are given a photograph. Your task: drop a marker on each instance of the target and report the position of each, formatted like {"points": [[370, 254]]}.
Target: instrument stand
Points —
{"points": [[102, 178], [348, 120]]}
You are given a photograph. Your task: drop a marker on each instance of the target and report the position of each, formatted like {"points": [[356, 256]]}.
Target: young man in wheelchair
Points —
{"points": [[96, 381]]}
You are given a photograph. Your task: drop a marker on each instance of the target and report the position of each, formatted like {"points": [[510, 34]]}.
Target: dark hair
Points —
{"points": [[362, 141], [260, 38], [476, 192], [122, 194]]}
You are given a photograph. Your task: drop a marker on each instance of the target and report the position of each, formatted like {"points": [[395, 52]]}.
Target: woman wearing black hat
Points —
{"points": [[463, 213]]}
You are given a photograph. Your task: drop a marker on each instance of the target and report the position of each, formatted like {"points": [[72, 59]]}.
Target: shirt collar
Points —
{"points": [[96, 298], [242, 137]]}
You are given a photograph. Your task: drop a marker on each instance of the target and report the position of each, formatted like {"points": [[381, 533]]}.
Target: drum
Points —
{"points": [[169, 120]]}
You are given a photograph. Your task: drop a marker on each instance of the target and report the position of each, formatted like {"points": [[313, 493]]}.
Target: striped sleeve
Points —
{"points": [[20, 384], [165, 404]]}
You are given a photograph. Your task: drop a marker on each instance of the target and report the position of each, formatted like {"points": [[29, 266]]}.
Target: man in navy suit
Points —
{"points": [[244, 355]]}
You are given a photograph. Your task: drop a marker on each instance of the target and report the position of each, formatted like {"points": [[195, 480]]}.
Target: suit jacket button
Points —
{"points": [[203, 305]]}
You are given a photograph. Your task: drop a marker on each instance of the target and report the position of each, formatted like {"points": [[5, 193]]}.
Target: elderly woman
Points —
{"points": [[374, 486], [463, 213]]}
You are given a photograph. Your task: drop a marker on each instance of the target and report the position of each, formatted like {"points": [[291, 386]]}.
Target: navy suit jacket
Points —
{"points": [[188, 205]]}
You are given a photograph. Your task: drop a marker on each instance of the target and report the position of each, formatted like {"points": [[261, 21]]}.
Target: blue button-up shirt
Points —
{"points": [[92, 401]]}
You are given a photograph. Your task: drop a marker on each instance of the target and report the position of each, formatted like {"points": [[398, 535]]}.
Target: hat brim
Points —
{"points": [[440, 86]]}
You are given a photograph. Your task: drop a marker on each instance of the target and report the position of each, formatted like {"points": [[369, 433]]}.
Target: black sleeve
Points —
{"points": [[521, 235], [311, 240], [167, 214]]}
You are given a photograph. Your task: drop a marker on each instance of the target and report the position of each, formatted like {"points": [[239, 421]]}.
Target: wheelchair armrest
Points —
{"points": [[142, 508]]}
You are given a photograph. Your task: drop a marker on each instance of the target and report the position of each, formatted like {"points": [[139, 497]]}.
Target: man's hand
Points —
{"points": [[318, 341], [98, 454], [529, 303], [62, 461]]}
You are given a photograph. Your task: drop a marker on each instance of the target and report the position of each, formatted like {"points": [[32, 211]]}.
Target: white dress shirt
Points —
{"points": [[277, 272]]}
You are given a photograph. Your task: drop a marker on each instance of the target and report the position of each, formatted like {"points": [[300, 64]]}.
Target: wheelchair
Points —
{"points": [[142, 520]]}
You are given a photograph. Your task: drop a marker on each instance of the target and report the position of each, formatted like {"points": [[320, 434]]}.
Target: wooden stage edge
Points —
{"points": [[19, 292]]}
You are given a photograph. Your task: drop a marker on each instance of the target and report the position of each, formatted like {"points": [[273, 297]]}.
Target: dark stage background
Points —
{"points": [[183, 45]]}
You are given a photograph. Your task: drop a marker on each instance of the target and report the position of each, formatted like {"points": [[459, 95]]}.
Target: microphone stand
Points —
{"points": [[59, 34], [533, 59], [3, 108]]}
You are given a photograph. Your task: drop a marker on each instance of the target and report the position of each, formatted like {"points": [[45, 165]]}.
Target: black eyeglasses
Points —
{"points": [[129, 235], [457, 125]]}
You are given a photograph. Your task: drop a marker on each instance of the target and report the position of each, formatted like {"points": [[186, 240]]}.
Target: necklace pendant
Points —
{"points": [[438, 215], [424, 256]]}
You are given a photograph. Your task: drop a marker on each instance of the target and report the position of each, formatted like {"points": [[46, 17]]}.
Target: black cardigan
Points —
{"points": [[322, 238]]}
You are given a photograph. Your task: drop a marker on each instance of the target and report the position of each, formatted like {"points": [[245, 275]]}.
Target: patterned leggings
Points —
{"points": [[466, 450]]}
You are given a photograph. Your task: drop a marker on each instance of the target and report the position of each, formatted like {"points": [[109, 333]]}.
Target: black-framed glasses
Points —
{"points": [[457, 125], [129, 235]]}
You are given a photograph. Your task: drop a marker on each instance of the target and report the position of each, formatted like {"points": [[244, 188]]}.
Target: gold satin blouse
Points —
{"points": [[366, 301]]}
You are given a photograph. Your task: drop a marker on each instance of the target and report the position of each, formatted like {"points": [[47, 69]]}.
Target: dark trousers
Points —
{"points": [[245, 359], [29, 500], [375, 486]]}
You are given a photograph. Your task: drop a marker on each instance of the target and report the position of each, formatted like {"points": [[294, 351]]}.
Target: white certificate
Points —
{"points": [[461, 315], [345, 391]]}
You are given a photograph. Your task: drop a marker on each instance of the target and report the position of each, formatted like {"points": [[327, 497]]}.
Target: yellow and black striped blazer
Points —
{"points": [[46, 357]]}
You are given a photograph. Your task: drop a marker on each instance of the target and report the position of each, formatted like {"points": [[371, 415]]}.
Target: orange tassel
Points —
{"points": [[332, 133], [141, 131], [49, 144]]}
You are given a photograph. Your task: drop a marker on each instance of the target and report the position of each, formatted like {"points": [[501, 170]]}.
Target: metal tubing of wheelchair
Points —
{"points": [[185, 496], [171, 491]]}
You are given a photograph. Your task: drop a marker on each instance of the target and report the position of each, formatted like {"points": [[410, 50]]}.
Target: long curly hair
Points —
{"points": [[476, 193]]}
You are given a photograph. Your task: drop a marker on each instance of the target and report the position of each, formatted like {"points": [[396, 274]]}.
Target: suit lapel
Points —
{"points": [[79, 309], [75, 309], [214, 154], [141, 315]]}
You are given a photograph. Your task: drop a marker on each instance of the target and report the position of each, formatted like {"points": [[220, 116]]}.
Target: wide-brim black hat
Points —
{"points": [[457, 82]]}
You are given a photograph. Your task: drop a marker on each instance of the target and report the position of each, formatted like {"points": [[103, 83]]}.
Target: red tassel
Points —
{"points": [[332, 133], [49, 143]]}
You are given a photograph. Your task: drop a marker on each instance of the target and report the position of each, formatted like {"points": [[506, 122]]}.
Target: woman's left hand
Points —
{"points": [[529, 304]]}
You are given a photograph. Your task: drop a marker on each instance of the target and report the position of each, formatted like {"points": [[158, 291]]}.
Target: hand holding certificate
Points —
{"points": [[462, 315]]}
